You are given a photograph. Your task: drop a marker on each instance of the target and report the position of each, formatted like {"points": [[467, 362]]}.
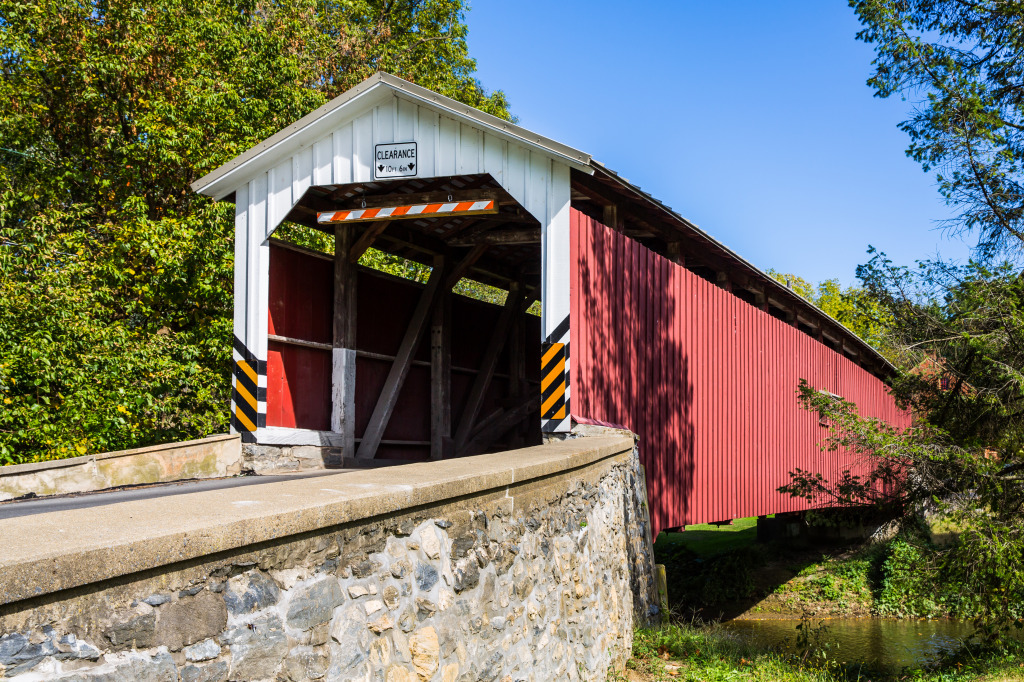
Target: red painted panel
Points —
{"points": [[298, 378], [301, 296], [708, 382], [298, 387]]}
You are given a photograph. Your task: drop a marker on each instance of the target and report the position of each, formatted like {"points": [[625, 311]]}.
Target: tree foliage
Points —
{"points": [[922, 473], [960, 62], [956, 330], [115, 278], [855, 307]]}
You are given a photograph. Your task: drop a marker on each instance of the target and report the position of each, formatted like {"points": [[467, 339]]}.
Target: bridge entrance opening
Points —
{"points": [[443, 362]]}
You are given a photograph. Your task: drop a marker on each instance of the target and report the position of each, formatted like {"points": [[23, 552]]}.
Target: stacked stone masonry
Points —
{"points": [[543, 580]]}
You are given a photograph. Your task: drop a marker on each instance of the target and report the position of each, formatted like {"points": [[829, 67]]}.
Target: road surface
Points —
{"points": [[42, 505]]}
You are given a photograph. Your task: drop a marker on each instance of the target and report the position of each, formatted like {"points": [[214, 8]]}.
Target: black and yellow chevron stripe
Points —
{"points": [[247, 395], [552, 381]]}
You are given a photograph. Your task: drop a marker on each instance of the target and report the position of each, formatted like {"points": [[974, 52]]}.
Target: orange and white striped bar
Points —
{"points": [[414, 211]]}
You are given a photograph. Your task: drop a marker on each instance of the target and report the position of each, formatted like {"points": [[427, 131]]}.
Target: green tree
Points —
{"points": [[115, 279], [959, 62], [925, 475], [957, 329], [855, 307]]}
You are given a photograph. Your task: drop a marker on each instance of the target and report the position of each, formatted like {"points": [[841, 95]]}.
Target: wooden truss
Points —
{"points": [[474, 432]]}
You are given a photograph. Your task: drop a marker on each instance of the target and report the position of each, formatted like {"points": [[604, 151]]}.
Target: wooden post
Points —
{"points": [[675, 253], [441, 378], [517, 387], [343, 374], [662, 582], [610, 216], [760, 300], [403, 362]]}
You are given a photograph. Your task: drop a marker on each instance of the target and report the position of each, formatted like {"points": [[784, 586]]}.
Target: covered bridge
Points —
{"points": [[646, 321]]}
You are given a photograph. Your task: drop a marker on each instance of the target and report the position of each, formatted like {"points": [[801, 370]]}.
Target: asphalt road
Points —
{"points": [[10, 510]]}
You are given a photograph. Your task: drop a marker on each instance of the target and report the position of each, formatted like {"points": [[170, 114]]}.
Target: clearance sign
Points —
{"points": [[395, 160]]}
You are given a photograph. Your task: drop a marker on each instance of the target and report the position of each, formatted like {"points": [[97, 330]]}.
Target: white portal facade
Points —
{"points": [[335, 145]]}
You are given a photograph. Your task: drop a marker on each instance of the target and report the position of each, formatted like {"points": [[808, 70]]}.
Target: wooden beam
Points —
{"points": [[356, 192], [291, 341], [527, 236], [422, 248], [632, 210], [460, 270], [460, 225], [610, 216], [675, 253], [473, 371], [487, 367], [403, 362], [403, 199], [471, 228], [343, 352], [597, 192], [365, 240], [722, 279], [441, 378], [760, 300]]}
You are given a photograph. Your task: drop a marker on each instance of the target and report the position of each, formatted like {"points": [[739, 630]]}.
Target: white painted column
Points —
{"points": [[252, 279], [555, 299]]}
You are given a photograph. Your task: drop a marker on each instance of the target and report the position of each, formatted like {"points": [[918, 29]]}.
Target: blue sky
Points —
{"points": [[752, 119]]}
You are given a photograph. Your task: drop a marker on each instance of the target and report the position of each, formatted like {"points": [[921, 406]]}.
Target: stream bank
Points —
{"points": [[736, 605], [712, 653], [720, 573]]}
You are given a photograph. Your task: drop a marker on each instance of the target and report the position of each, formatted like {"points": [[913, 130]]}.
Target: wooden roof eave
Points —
{"points": [[772, 288]]}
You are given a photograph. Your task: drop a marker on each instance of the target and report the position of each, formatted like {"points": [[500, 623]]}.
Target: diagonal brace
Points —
{"points": [[402, 364]]}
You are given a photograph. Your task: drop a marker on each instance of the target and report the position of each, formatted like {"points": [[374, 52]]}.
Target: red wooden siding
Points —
{"points": [[708, 382], [299, 378]]}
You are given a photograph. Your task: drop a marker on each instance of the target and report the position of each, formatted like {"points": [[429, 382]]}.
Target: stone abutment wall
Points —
{"points": [[527, 565]]}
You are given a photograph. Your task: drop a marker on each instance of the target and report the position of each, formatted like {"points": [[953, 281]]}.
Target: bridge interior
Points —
{"points": [[474, 386]]}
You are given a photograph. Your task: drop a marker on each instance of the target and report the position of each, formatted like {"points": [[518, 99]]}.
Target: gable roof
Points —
{"points": [[225, 179]]}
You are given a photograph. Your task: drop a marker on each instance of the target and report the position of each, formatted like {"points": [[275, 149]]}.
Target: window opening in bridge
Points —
{"points": [[834, 398], [745, 295], [777, 312]]}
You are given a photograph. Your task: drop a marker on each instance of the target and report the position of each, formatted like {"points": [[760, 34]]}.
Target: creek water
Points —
{"points": [[877, 642]]}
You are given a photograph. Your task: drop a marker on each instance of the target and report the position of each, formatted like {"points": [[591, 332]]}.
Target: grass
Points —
{"points": [[708, 540], [707, 653]]}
